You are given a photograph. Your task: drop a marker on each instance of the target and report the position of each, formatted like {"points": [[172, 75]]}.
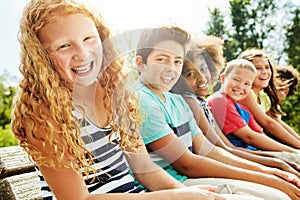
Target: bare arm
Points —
{"points": [[196, 166], [261, 141], [203, 123], [269, 124], [68, 185]]}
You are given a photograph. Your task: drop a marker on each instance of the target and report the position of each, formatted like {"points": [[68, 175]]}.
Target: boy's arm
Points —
{"points": [[260, 141], [186, 162]]}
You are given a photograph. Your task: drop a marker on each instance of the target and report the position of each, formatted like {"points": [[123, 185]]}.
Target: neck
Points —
{"points": [[256, 90], [156, 91], [90, 98], [84, 95]]}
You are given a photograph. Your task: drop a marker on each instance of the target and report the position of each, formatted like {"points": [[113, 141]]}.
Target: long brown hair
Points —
{"points": [[271, 90]]}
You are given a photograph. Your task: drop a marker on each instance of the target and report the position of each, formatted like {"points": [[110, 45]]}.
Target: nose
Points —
{"points": [[264, 71], [80, 53], [201, 78], [170, 67], [240, 85]]}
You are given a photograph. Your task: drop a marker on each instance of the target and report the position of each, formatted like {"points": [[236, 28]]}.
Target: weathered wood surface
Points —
{"points": [[19, 180]]}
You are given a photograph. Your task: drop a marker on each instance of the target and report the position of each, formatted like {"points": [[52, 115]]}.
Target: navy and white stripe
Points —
{"points": [[112, 170], [183, 132]]}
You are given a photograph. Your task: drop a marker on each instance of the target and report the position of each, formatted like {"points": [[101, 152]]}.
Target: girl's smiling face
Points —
{"points": [[75, 48], [197, 81], [263, 73]]}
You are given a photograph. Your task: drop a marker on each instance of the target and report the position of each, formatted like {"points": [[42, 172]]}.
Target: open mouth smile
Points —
{"points": [[83, 69]]}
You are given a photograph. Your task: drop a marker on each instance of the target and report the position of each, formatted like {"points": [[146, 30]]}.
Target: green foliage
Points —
{"points": [[249, 25], [216, 25], [6, 137], [291, 104], [6, 97], [291, 107], [293, 41], [7, 93]]}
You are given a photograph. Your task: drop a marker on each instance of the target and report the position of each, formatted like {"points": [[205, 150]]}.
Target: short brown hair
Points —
{"points": [[152, 36]]}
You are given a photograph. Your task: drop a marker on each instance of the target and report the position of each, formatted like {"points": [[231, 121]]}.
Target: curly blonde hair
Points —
{"points": [[42, 86]]}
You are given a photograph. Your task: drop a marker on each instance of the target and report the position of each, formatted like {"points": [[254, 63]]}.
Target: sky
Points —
{"points": [[119, 15]]}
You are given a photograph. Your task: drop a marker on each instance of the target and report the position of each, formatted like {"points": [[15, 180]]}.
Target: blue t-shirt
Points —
{"points": [[164, 118]]}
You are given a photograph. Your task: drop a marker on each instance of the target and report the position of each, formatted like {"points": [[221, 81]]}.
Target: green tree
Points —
{"points": [[291, 104], [216, 24], [6, 97], [7, 138], [249, 25], [293, 41]]}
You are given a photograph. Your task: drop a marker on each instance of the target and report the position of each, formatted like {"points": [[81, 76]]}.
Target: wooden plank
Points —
{"points": [[21, 187], [14, 160]]}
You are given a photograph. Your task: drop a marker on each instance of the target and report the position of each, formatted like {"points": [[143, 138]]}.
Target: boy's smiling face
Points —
{"points": [[237, 83], [164, 66]]}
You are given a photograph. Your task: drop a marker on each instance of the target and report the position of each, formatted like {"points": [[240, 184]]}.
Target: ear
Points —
{"points": [[139, 63], [222, 78]]}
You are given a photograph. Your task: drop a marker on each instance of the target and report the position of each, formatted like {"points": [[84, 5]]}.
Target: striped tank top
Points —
{"points": [[113, 173]]}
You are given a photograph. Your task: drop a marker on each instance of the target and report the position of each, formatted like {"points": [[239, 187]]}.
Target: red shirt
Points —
{"points": [[227, 115]]}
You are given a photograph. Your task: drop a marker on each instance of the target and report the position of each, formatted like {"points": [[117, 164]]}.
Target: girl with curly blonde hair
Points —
{"points": [[73, 115]]}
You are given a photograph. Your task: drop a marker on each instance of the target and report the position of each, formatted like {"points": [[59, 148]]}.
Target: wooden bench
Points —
{"points": [[18, 179]]}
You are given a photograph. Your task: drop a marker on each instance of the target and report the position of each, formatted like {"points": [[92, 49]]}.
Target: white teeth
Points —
{"points": [[167, 79], [82, 69], [201, 86], [263, 78], [237, 92]]}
